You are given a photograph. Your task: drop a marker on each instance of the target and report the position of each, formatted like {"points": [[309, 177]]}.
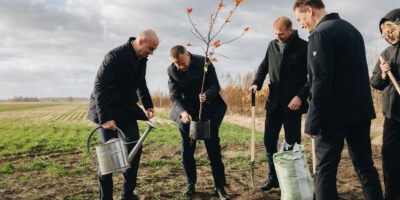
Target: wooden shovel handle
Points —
{"points": [[391, 76], [314, 157]]}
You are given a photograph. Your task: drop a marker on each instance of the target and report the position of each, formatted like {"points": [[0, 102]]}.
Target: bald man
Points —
{"points": [[286, 64], [120, 83]]}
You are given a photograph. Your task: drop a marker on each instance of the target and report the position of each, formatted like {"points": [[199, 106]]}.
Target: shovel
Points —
{"points": [[253, 136]]}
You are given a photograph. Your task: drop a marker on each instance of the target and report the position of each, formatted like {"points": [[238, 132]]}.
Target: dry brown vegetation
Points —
{"points": [[235, 94]]}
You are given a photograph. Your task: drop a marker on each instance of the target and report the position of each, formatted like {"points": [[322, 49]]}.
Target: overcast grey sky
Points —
{"points": [[53, 48]]}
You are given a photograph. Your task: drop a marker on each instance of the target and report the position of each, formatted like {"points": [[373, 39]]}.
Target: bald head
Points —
{"points": [[146, 43], [149, 36]]}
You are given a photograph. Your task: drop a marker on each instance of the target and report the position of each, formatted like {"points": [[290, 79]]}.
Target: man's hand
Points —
{"points": [[185, 117], [202, 97], [385, 68], [150, 113], [295, 103], [109, 125], [253, 88]]}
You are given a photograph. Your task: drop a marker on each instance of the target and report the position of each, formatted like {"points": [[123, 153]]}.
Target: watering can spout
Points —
{"points": [[151, 125], [140, 141]]}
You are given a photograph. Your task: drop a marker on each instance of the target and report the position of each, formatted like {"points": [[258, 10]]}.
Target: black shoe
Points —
{"points": [[134, 197], [220, 192], [271, 183], [190, 190]]}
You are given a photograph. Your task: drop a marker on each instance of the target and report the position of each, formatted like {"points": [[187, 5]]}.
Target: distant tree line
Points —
{"points": [[24, 99], [47, 99]]}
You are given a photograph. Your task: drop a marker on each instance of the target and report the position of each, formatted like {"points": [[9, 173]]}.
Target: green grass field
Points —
{"points": [[43, 156], [50, 140]]}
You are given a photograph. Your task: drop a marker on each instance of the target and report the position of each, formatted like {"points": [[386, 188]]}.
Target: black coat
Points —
{"points": [[340, 91], [390, 96], [185, 87], [288, 74], [120, 82]]}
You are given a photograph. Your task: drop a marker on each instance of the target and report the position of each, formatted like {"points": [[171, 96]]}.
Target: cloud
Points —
{"points": [[54, 47]]}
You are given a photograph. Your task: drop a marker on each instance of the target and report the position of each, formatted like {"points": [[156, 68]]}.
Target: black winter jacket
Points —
{"points": [[340, 90], [390, 97], [288, 74], [120, 82], [185, 87]]}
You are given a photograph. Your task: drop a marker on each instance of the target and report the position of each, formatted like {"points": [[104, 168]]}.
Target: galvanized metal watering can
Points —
{"points": [[113, 155]]}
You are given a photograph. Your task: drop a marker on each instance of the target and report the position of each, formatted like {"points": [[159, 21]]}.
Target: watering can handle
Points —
{"points": [[120, 134]]}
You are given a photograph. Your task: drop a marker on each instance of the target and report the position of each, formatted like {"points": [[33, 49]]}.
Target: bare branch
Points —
{"points": [[196, 30], [223, 25], [223, 55], [233, 39], [212, 22], [204, 50], [196, 36]]}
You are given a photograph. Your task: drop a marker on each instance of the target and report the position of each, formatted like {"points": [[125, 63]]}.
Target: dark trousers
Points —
{"points": [[273, 124], [213, 151], [131, 131], [329, 145], [391, 159]]}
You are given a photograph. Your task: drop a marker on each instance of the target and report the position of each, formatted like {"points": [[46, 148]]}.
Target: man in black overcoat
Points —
{"points": [[120, 83], [341, 105], [185, 80], [286, 64]]}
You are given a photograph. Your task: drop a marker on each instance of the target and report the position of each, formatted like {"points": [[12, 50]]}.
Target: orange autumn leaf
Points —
{"points": [[217, 43], [246, 29], [213, 60], [221, 6], [227, 20], [231, 12], [189, 10], [189, 44], [237, 2]]}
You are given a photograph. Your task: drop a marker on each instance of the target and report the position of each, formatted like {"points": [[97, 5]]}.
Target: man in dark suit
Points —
{"points": [[341, 103], [185, 80], [286, 64], [120, 82]]}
